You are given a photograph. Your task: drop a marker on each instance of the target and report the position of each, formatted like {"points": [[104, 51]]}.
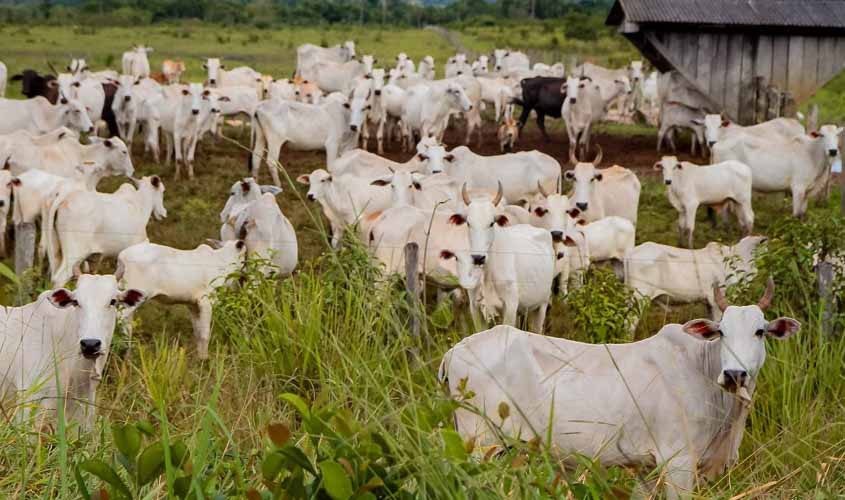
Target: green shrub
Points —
{"points": [[602, 309]]}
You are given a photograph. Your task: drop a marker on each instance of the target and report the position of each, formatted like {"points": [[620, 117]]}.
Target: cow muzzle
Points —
{"points": [[557, 236], [732, 380], [573, 100], [127, 98], [195, 111], [668, 182], [353, 128], [581, 206], [711, 143], [479, 260], [90, 348], [311, 197], [832, 152], [212, 82], [377, 92]]}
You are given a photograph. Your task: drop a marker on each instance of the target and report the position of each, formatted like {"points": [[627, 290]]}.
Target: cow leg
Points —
{"points": [[380, 136], [799, 202], [745, 214], [539, 319], [474, 313], [25, 246], [511, 300], [541, 124], [690, 223], [670, 136], [661, 134], [680, 477], [201, 318], [274, 164]]}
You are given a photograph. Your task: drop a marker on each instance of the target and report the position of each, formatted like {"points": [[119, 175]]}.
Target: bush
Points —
{"points": [[602, 308]]}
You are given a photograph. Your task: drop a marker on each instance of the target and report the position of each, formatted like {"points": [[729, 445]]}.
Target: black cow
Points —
{"points": [[108, 115], [544, 95], [33, 85]]}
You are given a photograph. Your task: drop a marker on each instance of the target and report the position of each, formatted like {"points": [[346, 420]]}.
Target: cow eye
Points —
{"points": [[540, 211], [492, 223], [113, 302], [760, 332]]}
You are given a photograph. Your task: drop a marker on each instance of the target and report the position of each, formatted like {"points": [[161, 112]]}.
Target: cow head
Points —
{"points": [[585, 176], [114, 155], [318, 182], [470, 275], [192, 97], [669, 167], [95, 303], [378, 81], [499, 56], [368, 61], [482, 217], [742, 332], [550, 211], [152, 188], [636, 72], [508, 134], [434, 155], [359, 105], [458, 96], [75, 116], [572, 88], [402, 184], [828, 136], [212, 66], [713, 126]]}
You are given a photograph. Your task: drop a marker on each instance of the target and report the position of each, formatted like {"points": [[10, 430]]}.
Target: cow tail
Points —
{"points": [[48, 232]]}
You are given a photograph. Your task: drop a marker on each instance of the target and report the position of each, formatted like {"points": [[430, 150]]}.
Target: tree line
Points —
{"points": [[272, 13]]}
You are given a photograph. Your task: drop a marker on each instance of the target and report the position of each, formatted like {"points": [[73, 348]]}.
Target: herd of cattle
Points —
{"points": [[500, 229]]}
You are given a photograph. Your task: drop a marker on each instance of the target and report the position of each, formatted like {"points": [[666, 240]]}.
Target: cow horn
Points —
{"points": [[719, 297], [52, 68], [391, 170], [77, 270], [542, 191], [599, 155], [573, 159], [465, 195], [559, 185], [499, 194], [135, 181], [766, 300]]}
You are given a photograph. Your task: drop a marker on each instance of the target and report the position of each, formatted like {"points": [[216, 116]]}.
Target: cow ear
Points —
{"points": [[726, 123], [815, 135], [380, 182], [156, 181], [502, 220], [62, 298], [574, 212], [569, 175], [304, 180], [132, 297], [15, 182], [782, 328], [215, 244], [274, 190], [225, 98], [657, 166], [63, 100], [446, 254], [457, 219], [568, 241], [702, 329], [107, 143], [449, 157], [417, 186], [241, 243], [581, 222]]}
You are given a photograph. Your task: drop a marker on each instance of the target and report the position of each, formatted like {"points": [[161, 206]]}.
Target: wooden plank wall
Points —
{"points": [[726, 64]]}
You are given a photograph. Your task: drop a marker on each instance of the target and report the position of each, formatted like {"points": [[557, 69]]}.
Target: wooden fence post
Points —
{"points": [[787, 108], [24, 247], [412, 251], [825, 274], [813, 118]]}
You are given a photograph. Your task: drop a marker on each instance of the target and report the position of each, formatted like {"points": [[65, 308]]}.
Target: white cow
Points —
{"points": [[517, 278], [717, 128], [688, 186], [508, 61], [800, 165], [172, 70], [577, 113], [520, 173], [457, 65], [428, 107], [219, 76], [6, 186], [426, 68], [88, 91], [23, 139], [54, 349], [38, 116], [67, 158], [677, 116], [308, 54], [304, 127], [677, 400], [81, 223], [405, 65], [682, 276], [268, 235], [601, 193], [481, 66], [136, 62], [345, 199], [241, 194], [497, 92], [181, 277], [336, 77], [392, 106]]}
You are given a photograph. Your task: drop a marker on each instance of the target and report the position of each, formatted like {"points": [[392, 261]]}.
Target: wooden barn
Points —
{"points": [[752, 59]]}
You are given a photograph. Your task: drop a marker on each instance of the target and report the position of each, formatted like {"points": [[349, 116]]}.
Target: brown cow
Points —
{"points": [[172, 70]]}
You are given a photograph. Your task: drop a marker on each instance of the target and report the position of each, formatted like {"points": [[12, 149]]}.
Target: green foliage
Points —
{"points": [[603, 309]]}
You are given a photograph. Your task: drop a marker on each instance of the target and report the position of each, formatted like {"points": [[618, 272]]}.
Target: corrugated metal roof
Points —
{"points": [[785, 13]]}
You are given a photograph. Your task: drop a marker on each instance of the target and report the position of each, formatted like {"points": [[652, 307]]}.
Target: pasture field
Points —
{"points": [[326, 353]]}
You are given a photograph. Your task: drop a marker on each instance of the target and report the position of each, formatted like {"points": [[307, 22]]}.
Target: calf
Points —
{"points": [[800, 165], [301, 126], [508, 134], [427, 109], [38, 116], [457, 65], [80, 223], [55, 349], [426, 68], [689, 185], [88, 91], [601, 193], [676, 115], [508, 61], [172, 70], [717, 128], [67, 158], [181, 277], [677, 401], [681, 276], [241, 194], [543, 96]]}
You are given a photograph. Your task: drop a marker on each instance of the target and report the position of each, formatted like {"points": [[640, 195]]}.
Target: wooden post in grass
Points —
{"points": [[24, 247], [412, 251], [760, 107], [813, 118], [774, 103], [825, 273]]}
